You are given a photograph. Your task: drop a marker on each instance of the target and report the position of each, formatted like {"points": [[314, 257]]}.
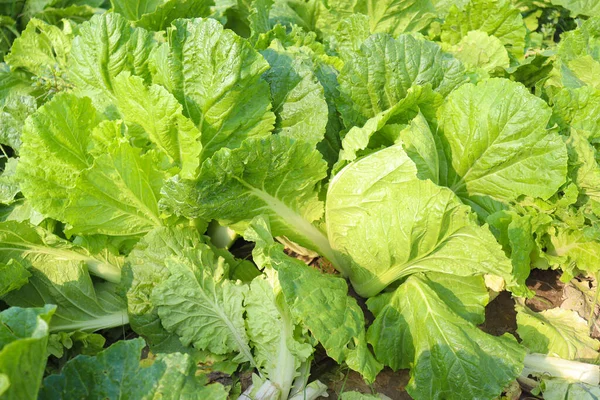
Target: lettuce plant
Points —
{"points": [[430, 154]]}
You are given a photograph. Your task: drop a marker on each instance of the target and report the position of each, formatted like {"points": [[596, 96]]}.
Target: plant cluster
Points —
{"points": [[431, 152]]}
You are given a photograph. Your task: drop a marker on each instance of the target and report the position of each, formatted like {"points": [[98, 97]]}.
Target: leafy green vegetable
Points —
{"points": [[557, 332], [427, 153], [431, 231], [23, 337], [449, 356], [117, 372]]}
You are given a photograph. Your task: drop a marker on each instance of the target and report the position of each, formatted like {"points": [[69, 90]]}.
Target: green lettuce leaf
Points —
{"points": [[379, 75], [9, 185], [119, 193], [497, 18], [495, 140], [145, 268], [479, 51], [558, 333], [450, 357], [399, 16], [216, 76], [105, 47], [160, 117], [276, 177], [392, 224], [81, 304], [298, 98], [578, 61], [359, 138], [588, 8], [42, 50], [157, 15], [319, 301], [117, 373], [23, 341], [34, 246], [14, 110], [54, 152], [13, 275], [212, 306]]}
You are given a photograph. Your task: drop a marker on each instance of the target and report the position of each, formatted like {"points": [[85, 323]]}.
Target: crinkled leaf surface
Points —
{"points": [[33, 246], [145, 268], [105, 47], [322, 303], [478, 50], [589, 8], [14, 110], [160, 117], [277, 177], [12, 276], [118, 194], [118, 373], [497, 18], [9, 185], [199, 303], [81, 304], [216, 76], [381, 72], [358, 138], [399, 16], [54, 152], [42, 49], [392, 224], [157, 15], [298, 97]]}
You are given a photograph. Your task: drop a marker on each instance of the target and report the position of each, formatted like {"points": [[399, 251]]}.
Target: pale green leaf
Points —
{"points": [[216, 76], [392, 224], [384, 69], [358, 138], [276, 177], [13, 275], [145, 268], [9, 185], [495, 138], [105, 47], [81, 304], [588, 8], [477, 50], [42, 50], [497, 18], [13, 113], [450, 357], [54, 152], [558, 333], [160, 116], [118, 194], [322, 303], [298, 97], [204, 308], [399, 16]]}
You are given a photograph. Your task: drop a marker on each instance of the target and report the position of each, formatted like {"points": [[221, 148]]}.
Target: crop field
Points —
{"points": [[299, 199]]}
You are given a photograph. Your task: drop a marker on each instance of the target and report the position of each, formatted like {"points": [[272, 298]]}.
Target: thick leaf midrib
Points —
{"points": [[215, 306], [308, 230]]}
